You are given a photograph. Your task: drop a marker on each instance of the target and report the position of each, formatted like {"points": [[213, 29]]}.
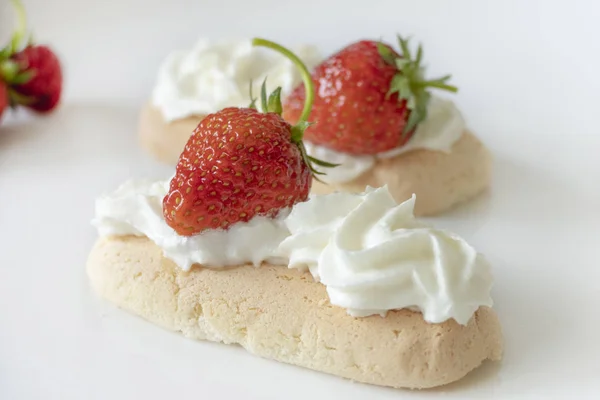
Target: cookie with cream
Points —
{"points": [[232, 249], [375, 114], [296, 289]]}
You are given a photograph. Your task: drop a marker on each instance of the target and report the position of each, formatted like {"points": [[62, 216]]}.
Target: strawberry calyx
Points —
{"points": [[409, 82], [10, 71], [272, 103]]}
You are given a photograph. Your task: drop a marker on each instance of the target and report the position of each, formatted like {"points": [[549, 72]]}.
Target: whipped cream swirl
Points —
{"points": [[374, 256], [212, 76], [371, 253], [443, 126]]}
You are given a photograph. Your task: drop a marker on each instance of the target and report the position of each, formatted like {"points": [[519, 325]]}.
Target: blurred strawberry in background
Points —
{"points": [[30, 74]]}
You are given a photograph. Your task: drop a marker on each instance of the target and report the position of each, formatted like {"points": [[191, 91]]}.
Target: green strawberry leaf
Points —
{"points": [[263, 96], [274, 102], [386, 53], [298, 131], [9, 70], [419, 55], [401, 85], [412, 122], [404, 46], [400, 63], [322, 163], [16, 98], [418, 111], [439, 83], [23, 77]]}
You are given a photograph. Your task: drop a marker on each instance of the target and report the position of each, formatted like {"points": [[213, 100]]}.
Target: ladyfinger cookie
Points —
{"points": [[283, 314]]}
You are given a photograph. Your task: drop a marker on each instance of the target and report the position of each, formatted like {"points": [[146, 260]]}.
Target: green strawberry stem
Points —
{"points": [[21, 25], [273, 104], [306, 78]]}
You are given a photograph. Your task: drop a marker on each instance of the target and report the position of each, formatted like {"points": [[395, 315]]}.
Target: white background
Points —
{"points": [[528, 73]]}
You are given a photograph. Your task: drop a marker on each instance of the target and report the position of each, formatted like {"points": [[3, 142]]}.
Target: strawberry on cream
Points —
{"points": [[370, 252], [443, 126], [135, 208]]}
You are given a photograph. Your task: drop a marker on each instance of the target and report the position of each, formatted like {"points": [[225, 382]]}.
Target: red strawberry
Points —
{"points": [[240, 163], [32, 72], [368, 99], [3, 98], [44, 86]]}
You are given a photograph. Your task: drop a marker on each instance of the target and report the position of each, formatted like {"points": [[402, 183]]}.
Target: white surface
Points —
{"points": [[528, 74]]}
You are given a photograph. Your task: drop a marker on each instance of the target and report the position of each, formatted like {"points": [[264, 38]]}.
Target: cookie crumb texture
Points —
{"points": [[283, 314], [440, 180]]}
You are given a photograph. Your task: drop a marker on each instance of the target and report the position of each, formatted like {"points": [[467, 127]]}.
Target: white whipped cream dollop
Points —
{"points": [[443, 126], [371, 253], [135, 208], [374, 256], [212, 76]]}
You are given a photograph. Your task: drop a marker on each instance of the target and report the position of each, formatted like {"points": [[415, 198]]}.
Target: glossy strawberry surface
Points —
{"points": [[352, 111], [237, 164]]}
